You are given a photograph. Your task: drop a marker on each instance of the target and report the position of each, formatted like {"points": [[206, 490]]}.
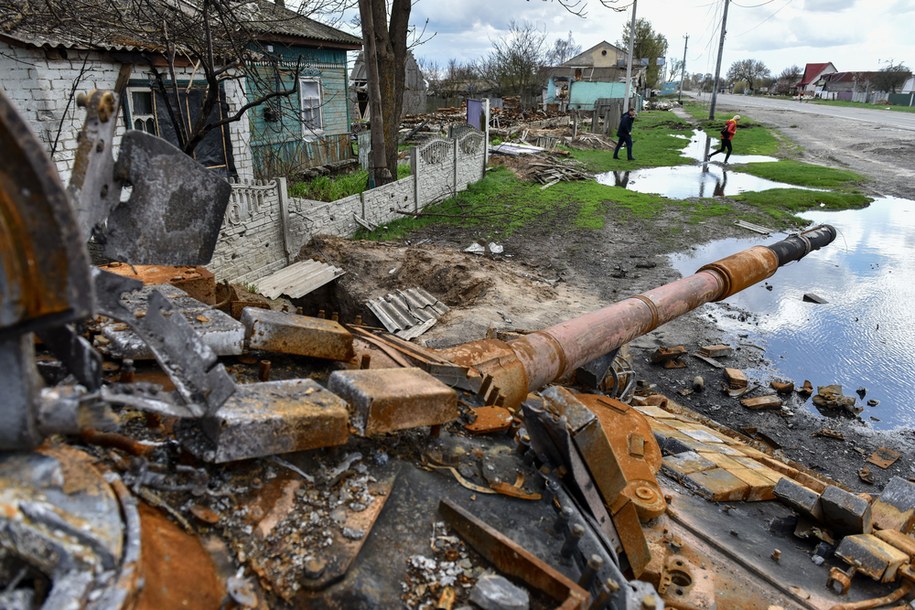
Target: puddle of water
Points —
{"points": [[701, 180], [700, 144], [863, 335], [684, 181]]}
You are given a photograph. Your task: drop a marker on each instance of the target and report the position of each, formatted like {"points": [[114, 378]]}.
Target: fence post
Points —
{"points": [[414, 169], [283, 195], [454, 166]]}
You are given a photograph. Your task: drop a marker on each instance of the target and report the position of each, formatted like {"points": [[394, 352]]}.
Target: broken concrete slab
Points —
{"points": [[894, 509], [220, 332], [736, 378], [844, 512], [872, 556], [288, 333], [386, 400], [761, 403], [716, 351], [800, 498], [262, 419]]}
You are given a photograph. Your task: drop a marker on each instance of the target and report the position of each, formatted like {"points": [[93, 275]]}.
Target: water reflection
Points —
{"points": [[680, 182], [700, 143], [863, 335]]}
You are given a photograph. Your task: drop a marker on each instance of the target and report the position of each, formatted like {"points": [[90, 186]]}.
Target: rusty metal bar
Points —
{"points": [[514, 560], [548, 355]]}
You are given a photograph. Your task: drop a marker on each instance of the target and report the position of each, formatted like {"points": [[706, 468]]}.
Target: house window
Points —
{"points": [[310, 92], [142, 111]]}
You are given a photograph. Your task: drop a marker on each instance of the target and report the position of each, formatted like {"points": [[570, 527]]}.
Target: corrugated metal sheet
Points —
{"points": [[297, 279], [407, 313]]}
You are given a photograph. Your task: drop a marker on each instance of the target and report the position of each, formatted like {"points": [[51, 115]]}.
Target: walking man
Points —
{"points": [[727, 134], [624, 134]]}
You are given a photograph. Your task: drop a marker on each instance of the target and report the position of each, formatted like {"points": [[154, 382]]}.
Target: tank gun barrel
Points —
{"points": [[540, 358]]}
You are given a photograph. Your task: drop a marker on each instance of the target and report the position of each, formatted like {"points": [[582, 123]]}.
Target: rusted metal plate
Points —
{"points": [[622, 454], [197, 282], [385, 400], [176, 570], [287, 333], [44, 266], [276, 417], [512, 559], [489, 419]]}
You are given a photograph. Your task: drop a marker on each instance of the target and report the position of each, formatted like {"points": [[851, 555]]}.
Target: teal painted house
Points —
{"points": [[311, 127]]}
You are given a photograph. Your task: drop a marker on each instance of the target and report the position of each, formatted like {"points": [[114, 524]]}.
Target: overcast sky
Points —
{"points": [[852, 34]]}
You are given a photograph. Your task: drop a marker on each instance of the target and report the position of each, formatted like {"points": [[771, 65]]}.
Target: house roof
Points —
{"points": [[274, 19], [100, 25], [585, 58], [811, 72], [602, 75]]}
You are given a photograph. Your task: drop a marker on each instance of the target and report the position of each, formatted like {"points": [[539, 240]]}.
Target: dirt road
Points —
{"points": [[552, 271]]}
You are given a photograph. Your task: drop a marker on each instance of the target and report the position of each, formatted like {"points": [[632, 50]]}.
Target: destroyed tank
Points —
{"points": [[499, 473]]}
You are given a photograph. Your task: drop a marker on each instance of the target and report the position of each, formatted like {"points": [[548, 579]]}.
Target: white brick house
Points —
{"points": [[45, 66]]}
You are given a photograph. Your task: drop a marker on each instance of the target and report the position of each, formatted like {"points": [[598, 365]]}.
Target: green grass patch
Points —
{"points": [[652, 144], [332, 188], [781, 206], [790, 171]]}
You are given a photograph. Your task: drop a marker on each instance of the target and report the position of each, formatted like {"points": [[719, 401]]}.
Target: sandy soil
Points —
{"points": [[551, 272]]}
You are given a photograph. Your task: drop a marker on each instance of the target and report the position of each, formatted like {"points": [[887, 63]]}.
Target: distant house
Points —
{"points": [[812, 74], [848, 86], [46, 62], [311, 128], [414, 93], [590, 75]]}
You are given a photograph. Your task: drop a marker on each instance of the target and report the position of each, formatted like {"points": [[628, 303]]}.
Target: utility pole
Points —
{"points": [[682, 71], [724, 25], [629, 63]]}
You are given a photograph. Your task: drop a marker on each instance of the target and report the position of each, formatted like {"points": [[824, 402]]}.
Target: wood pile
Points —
{"points": [[548, 171], [591, 141]]}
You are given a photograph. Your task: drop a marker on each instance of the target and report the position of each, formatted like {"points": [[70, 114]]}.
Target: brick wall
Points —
{"points": [[40, 83], [264, 229]]}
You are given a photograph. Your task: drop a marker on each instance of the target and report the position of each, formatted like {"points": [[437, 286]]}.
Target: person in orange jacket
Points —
{"points": [[727, 134]]}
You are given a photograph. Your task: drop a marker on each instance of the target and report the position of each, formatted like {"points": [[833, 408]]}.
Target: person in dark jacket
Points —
{"points": [[727, 134], [624, 134]]}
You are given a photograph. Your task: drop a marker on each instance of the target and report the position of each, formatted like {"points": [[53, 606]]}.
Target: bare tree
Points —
{"points": [[787, 80], [563, 50], [515, 60], [891, 76], [748, 70]]}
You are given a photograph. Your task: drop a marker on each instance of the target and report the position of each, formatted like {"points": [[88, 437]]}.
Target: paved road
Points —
{"points": [[888, 118]]}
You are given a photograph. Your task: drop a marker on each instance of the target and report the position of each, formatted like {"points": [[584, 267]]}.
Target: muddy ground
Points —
{"points": [[550, 272]]}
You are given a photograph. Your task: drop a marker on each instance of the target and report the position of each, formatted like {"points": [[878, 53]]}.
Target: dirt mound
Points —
{"points": [[456, 281]]}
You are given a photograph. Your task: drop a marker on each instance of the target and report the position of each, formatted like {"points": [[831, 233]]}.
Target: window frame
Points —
{"points": [[308, 129]]}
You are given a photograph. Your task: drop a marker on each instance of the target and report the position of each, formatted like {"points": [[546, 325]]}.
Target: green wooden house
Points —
{"points": [[312, 126]]}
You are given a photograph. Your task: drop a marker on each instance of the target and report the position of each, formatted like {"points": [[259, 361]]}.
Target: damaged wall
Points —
{"points": [[42, 82], [264, 228]]}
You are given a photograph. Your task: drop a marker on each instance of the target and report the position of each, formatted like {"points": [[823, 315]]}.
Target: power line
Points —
{"points": [[767, 18], [753, 5]]}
